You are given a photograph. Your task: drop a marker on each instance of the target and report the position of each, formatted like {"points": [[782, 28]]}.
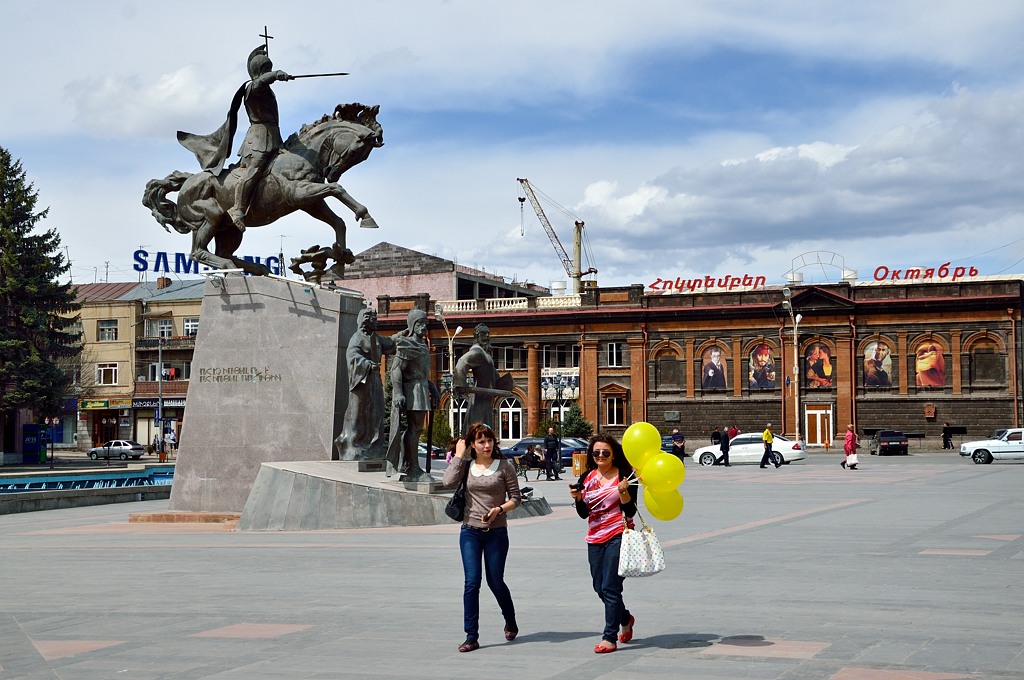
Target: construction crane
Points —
{"points": [[572, 267]]}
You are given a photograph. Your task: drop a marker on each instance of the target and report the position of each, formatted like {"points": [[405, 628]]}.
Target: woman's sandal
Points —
{"points": [[601, 649], [469, 646], [626, 636]]}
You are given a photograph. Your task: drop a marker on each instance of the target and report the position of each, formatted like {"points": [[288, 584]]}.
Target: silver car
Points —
{"points": [[748, 448], [118, 448]]}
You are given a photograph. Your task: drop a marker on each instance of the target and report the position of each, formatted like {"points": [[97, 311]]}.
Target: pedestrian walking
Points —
{"points": [[605, 496], [947, 436], [723, 446], [769, 456], [850, 445], [492, 491]]}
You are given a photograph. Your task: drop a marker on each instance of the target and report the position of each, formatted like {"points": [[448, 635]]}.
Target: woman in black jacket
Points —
{"points": [[605, 495]]}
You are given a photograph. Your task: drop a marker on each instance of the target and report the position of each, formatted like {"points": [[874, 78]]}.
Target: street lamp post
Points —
{"points": [[796, 319], [449, 377]]}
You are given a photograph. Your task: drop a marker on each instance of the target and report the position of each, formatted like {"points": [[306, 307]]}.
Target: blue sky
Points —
{"points": [[695, 137]]}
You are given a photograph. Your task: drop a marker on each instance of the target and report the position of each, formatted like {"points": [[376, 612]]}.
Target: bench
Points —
{"points": [[523, 469]]}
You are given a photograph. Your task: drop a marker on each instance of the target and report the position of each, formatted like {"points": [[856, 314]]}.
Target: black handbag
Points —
{"points": [[456, 507]]}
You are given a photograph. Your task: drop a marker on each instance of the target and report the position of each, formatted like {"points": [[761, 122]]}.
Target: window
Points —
{"points": [[510, 417], [106, 330], [191, 325], [160, 328], [511, 358], [615, 411], [615, 354], [106, 374], [560, 356]]}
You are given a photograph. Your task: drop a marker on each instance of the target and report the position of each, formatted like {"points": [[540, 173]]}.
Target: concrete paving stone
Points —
{"points": [[805, 555]]}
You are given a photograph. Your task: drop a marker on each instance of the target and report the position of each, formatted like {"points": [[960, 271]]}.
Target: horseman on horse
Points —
{"points": [[262, 141], [273, 178]]}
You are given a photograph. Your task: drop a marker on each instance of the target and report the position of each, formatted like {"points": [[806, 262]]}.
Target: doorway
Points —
{"points": [[818, 424]]}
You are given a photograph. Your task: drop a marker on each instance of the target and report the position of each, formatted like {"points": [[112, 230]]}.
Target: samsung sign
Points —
{"points": [[181, 263]]}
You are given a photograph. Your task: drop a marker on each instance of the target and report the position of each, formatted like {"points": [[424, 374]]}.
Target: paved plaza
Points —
{"points": [[907, 568]]}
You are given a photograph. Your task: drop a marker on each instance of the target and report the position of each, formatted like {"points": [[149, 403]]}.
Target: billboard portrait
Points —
{"points": [[762, 368], [930, 364], [818, 368], [713, 370], [877, 365]]}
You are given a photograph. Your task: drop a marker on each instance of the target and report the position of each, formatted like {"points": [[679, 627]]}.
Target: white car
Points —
{"points": [[1008, 446], [747, 447]]}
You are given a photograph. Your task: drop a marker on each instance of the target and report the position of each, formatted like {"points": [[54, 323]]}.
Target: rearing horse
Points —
{"points": [[301, 177]]}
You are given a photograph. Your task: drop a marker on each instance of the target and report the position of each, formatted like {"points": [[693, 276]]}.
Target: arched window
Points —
{"points": [[559, 408], [457, 416], [510, 420]]}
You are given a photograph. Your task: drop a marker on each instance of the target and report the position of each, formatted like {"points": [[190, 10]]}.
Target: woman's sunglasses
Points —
{"points": [[602, 453]]}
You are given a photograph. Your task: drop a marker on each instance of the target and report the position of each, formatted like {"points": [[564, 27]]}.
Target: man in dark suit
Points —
{"points": [[552, 454]]}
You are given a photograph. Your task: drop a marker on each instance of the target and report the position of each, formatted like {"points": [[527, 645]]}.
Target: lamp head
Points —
{"points": [[458, 329], [787, 293], [799, 318]]}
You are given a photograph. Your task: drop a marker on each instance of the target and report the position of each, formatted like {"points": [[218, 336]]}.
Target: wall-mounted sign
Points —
{"points": [[92, 404], [708, 284], [169, 402], [181, 263], [883, 273]]}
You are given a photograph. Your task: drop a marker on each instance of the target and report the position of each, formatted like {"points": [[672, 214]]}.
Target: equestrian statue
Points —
{"points": [[273, 178]]}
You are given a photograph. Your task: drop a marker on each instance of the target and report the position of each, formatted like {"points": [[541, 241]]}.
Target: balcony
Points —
{"points": [[177, 342], [151, 388]]}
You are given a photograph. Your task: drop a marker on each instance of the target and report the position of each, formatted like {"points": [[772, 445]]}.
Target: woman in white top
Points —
{"points": [[492, 491]]}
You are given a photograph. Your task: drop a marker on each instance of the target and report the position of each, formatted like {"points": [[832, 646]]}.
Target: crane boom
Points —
{"points": [[566, 262]]}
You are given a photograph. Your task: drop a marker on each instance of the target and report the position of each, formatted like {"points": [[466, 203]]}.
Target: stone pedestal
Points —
{"points": [[306, 496], [268, 383]]}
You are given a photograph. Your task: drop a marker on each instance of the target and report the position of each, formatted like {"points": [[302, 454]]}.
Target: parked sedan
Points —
{"points": [[118, 448], [1007, 447], [748, 448], [888, 441]]}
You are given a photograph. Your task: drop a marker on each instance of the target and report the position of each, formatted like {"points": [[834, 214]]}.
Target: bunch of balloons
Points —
{"points": [[660, 473]]}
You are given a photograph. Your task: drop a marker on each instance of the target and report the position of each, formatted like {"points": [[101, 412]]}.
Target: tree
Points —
{"points": [[574, 425], [38, 315]]}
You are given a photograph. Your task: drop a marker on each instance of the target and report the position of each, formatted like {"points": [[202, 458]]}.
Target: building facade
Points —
{"points": [[906, 355], [136, 362]]}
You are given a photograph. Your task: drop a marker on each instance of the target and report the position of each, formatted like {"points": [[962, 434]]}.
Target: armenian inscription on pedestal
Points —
{"points": [[268, 384]]}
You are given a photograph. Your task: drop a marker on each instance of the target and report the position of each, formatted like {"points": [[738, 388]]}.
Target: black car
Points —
{"points": [[888, 441]]}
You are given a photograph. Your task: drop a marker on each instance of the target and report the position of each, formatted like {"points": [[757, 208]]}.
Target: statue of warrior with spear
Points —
{"points": [[263, 139]]}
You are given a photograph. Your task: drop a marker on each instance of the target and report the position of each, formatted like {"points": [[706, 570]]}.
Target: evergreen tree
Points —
{"points": [[574, 425], [37, 314]]}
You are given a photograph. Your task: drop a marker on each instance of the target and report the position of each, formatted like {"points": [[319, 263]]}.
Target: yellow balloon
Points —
{"points": [[664, 505], [662, 472], [639, 441]]}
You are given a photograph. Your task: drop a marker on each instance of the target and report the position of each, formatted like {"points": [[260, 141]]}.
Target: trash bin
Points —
{"points": [[579, 463], [163, 456]]}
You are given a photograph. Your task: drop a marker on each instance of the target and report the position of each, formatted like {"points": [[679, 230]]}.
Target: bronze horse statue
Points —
{"points": [[301, 177]]}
